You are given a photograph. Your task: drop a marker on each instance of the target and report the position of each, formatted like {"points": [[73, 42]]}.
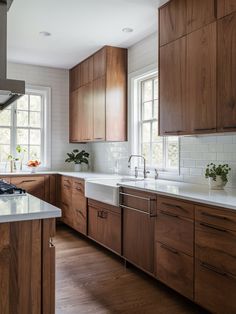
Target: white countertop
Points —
{"points": [[186, 191], [25, 207], [192, 192]]}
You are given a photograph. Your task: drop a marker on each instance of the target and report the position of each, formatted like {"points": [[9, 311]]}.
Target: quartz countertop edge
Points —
{"points": [[24, 208]]}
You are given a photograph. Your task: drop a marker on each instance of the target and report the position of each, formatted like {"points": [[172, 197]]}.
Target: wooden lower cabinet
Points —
{"points": [[27, 267], [214, 290], [175, 269], [79, 207], [104, 225], [32, 184]]}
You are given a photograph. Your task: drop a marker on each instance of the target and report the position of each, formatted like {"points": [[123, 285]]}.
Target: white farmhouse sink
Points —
{"points": [[106, 190]]}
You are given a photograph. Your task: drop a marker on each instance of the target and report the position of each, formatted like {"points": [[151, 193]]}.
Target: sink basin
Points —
{"points": [[106, 190]]}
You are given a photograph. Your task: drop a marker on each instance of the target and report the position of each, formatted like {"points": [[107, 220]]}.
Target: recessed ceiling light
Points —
{"points": [[127, 30], [45, 34]]}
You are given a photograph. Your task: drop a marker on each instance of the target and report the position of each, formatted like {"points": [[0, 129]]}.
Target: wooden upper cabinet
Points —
{"points": [[87, 71], [225, 7], [74, 116], [226, 106], [200, 13], [99, 109], [103, 98], [201, 79], [116, 94], [75, 78], [86, 125], [99, 64], [172, 21], [173, 88]]}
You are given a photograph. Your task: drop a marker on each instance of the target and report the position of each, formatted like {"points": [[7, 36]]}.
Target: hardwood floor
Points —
{"points": [[92, 280]]}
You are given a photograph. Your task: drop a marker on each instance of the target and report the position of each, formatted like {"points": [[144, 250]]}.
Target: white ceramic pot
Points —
{"points": [[78, 167], [217, 184]]}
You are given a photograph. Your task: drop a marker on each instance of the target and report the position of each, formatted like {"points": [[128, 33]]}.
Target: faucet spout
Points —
{"points": [[144, 164]]}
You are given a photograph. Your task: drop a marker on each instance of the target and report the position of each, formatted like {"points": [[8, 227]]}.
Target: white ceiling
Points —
{"points": [[78, 28]]}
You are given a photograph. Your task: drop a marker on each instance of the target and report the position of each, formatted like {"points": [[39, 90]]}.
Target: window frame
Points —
{"points": [[45, 144], [136, 122]]}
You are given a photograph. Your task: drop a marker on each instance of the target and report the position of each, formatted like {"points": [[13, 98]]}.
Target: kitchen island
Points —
{"points": [[27, 255]]}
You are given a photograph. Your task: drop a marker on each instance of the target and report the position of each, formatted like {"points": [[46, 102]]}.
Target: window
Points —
{"points": [[26, 123], [160, 152]]}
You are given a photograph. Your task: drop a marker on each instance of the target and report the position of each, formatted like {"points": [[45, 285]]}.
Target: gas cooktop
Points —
{"points": [[10, 189]]}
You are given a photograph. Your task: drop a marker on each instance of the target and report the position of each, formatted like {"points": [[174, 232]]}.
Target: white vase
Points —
{"points": [[217, 184], [78, 167]]}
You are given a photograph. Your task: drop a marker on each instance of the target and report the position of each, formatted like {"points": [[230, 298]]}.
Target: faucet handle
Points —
{"points": [[156, 173]]}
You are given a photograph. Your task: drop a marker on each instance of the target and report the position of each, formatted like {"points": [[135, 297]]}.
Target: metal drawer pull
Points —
{"points": [[102, 214], [50, 242], [214, 269], [66, 186], [212, 227], [205, 129], [169, 214], [139, 211], [174, 206], [169, 249], [214, 216], [139, 197], [169, 132], [229, 127], [28, 181], [78, 189], [64, 204]]}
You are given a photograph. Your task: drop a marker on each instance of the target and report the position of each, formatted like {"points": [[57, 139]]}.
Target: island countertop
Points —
{"points": [[25, 207]]}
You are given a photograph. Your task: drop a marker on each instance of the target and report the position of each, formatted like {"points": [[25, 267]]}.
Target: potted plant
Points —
{"points": [[21, 153], [78, 158], [217, 175]]}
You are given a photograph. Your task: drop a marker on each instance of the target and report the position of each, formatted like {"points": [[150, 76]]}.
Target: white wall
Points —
{"points": [[58, 81], [195, 152]]}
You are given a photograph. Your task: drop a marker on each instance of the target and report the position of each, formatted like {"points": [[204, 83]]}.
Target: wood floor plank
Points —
{"points": [[91, 280]]}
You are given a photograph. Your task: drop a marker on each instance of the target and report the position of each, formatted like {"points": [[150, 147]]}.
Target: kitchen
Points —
{"points": [[124, 142]]}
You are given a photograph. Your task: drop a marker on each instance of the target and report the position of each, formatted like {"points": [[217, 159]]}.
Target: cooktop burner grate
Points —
{"points": [[7, 188]]}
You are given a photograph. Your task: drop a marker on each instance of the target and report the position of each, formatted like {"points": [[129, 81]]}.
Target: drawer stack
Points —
{"points": [[174, 230], [215, 267]]}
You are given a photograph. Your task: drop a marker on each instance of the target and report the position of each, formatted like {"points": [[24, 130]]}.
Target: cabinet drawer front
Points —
{"points": [[138, 200], [176, 207], [105, 227], [78, 187], [32, 184], [217, 217], [214, 290], [175, 231], [216, 246], [174, 269]]}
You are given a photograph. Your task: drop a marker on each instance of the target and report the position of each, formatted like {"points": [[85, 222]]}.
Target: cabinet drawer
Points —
{"points": [[175, 206], [104, 226], [216, 246], [174, 269], [139, 200], [217, 217], [66, 190], [175, 231], [32, 184], [78, 187], [214, 290]]}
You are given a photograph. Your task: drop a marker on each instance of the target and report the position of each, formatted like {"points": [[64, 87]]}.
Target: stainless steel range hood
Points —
{"points": [[10, 90]]}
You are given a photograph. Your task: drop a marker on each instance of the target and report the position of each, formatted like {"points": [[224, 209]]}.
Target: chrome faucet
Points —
{"points": [[144, 164]]}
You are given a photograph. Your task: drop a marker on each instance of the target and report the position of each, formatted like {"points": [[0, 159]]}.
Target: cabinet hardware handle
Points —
{"points": [[138, 210], [98, 138], [214, 269], [66, 186], [169, 249], [50, 242], [169, 132], [169, 214], [64, 204], [212, 227], [205, 129], [174, 206], [139, 197], [102, 214], [214, 216], [229, 127], [27, 181], [78, 189], [87, 139]]}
